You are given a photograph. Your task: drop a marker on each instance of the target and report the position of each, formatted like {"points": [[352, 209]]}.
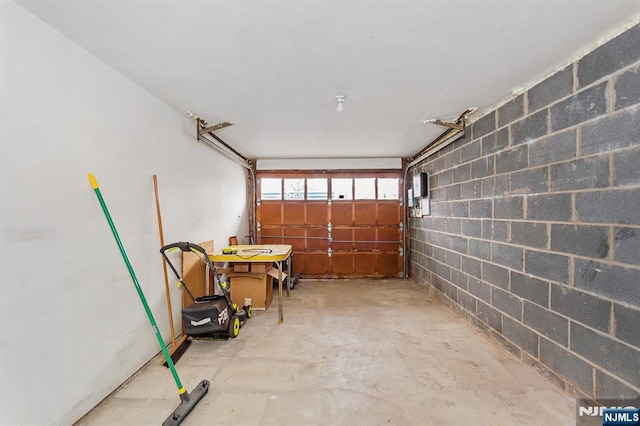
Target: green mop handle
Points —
{"points": [[94, 185]]}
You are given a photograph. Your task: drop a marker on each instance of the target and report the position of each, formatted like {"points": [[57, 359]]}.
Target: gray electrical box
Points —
{"points": [[421, 185]]}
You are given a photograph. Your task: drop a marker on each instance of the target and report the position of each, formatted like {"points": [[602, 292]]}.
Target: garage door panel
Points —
{"points": [[299, 260], [270, 235], [294, 213], [342, 239], [317, 239], [365, 263], [317, 264], [271, 213], [388, 264], [339, 237], [342, 213], [388, 239], [297, 240], [366, 213], [365, 238], [388, 213], [342, 264], [317, 213]]}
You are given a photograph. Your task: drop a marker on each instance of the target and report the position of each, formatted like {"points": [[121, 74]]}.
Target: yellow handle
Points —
{"points": [[92, 179]]}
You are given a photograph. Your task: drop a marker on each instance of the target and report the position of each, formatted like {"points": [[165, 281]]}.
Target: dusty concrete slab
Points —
{"points": [[355, 352]]}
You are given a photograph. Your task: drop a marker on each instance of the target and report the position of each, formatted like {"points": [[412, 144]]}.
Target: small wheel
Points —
{"points": [[249, 311], [234, 327]]}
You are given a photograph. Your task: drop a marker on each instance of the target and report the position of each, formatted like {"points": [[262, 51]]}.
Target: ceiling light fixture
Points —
{"points": [[340, 99]]}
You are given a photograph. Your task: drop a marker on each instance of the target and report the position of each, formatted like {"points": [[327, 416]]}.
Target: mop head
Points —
{"points": [[188, 401]]}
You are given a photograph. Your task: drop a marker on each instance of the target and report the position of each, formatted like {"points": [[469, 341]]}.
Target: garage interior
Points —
{"points": [[458, 181]]}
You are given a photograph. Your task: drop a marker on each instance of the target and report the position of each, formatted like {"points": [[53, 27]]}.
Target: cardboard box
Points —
{"points": [[240, 267], [260, 267], [257, 287], [273, 272], [193, 273]]}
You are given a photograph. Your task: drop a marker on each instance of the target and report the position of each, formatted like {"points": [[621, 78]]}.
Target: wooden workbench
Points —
{"points": [[276, 253]]}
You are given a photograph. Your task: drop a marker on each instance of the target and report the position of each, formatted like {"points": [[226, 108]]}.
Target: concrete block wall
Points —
{"points": [[534, 232]]}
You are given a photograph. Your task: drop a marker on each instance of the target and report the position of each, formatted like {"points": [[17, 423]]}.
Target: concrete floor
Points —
{"points": [[357, 352]]}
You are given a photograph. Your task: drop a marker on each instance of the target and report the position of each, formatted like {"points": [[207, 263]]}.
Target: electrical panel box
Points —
{"points": [[420, 185], [421, 205]]}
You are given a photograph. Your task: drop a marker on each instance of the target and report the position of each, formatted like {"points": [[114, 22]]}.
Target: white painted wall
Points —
{"points": [[71, 325], [328, 163]]}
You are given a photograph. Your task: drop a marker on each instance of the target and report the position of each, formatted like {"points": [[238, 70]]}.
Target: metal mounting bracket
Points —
{"points": [[214, 127], [449, 124]]}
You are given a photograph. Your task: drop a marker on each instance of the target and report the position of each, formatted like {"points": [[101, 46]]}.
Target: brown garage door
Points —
{"points": [[339, 224]]}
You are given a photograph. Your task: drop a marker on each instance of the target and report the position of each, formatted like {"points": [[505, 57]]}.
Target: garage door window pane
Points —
{"points": [[271, 189], [365, 189], [341, 189], [388, 189], [294, 189], [317, 189]]}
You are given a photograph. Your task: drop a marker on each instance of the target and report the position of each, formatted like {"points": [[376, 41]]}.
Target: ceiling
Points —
{"points": [[273, 67]]}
